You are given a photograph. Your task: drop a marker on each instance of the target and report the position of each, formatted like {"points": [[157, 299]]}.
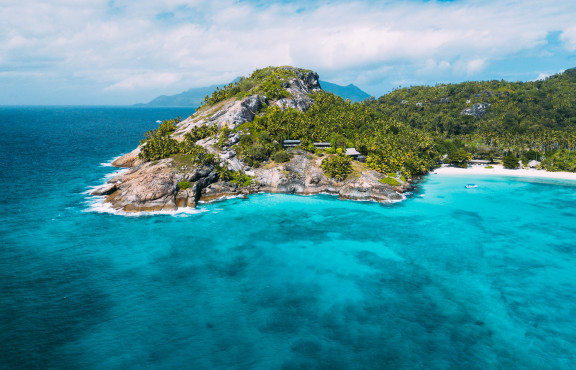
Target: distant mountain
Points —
{"points": [[351, 91], [190, 98], [195, 97]]}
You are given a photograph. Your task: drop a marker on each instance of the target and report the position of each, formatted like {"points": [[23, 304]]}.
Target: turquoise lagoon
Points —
{"points": [[450, 278]]}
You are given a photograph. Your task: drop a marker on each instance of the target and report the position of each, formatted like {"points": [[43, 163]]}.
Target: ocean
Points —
{"points": [[451, 278]]}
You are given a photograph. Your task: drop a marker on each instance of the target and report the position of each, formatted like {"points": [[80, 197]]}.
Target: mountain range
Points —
{"points": [[194, 97]]}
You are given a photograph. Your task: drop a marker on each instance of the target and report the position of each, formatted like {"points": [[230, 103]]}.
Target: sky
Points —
{"points": [[118, 52]]}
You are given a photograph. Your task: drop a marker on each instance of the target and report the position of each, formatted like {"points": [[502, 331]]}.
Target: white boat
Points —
{"points": [[471, 186]]}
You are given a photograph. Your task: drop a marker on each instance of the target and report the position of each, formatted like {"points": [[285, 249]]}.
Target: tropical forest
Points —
{"points": [[406, 132]]}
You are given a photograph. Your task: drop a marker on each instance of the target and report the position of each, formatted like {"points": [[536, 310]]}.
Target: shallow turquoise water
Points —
{"points": [[451, 278]]}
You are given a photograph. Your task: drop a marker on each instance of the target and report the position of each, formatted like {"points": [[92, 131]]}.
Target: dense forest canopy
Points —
{"points": [[497, 116]]}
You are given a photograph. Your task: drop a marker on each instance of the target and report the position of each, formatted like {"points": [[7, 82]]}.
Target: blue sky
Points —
{"points": [[99, 52]]}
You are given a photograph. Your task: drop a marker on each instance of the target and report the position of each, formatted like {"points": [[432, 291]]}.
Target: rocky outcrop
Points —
{"points": [[128, 160], [154, 186], [303, 175], [476, 110]]}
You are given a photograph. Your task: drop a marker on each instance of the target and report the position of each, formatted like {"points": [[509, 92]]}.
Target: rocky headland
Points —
{"points": [[156, 185]]}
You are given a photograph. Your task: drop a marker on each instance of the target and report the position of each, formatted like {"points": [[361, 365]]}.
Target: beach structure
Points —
{"points": [[479, 161], [352, 152], [533, 164], [290, 143], [322, 145]]}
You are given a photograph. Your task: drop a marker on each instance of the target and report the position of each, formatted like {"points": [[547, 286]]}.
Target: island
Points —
{"points": [[277, 131]]}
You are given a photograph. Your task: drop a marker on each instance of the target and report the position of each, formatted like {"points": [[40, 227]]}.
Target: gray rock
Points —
{"points": [[476, 110], [105, 189]]}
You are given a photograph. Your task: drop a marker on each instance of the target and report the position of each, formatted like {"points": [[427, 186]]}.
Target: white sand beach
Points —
{"points": [[499, 170]]}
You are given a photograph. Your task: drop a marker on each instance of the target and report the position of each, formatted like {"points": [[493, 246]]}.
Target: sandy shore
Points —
{"points": [[499, 170]]}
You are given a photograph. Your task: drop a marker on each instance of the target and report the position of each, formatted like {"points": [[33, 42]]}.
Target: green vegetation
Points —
{"points": [[489, 167], [491, 118], [267, 81], [239, 178], [281, 156], [390, 181], [256, 147], [510, 161], [183, 185], [405, 132], [200, 132], [560, 160], [158, 144], [389, 145], [338, 166], [459, 158]]}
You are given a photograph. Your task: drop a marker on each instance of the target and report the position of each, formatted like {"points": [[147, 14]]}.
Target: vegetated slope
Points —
{"points": [[501, 117], [232, 145]]}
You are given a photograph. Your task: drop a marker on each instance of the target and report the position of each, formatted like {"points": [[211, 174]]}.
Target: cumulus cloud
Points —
{"points": [[140, 46]]}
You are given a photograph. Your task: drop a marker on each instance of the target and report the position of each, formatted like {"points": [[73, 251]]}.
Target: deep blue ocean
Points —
{"points": [[451, 278]]}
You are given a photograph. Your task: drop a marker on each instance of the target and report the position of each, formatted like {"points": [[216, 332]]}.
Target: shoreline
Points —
{"points": [[499, 170]]}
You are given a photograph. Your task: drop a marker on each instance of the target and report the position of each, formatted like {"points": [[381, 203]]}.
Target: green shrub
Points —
{"points": [[183, 185], [200, 132], [158, 144], [281, 156], [459, 158], [489, 167], [256, 146], [158, 147], [389, 181], [510, 161], [241, 179], [561, 160], [337, 167]]}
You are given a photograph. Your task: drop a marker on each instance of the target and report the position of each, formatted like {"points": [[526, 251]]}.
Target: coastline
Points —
{"points": [[499, 170]]}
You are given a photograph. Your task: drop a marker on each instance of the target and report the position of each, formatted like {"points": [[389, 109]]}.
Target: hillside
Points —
{"points": [[493, 118], [194, 97], [233, 145]]}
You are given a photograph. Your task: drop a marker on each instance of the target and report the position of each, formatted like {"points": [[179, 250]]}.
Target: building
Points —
{"points": [[322, 145], [290, 143], [352, 152], [479, 161]]}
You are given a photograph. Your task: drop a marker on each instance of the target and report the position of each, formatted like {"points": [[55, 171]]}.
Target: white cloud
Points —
{"points": [[542, 76], [569, 38], [126, 45]]}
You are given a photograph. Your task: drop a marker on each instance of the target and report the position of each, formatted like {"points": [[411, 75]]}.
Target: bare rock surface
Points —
{"points": [[128, 160]]}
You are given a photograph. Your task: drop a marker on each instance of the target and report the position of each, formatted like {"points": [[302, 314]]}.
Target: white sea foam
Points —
{"points": [[499, 170], [104, 180], [109, 163], [97, 204], [221, 199]]}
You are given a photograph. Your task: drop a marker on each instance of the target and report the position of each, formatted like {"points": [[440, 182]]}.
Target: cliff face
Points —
{"points": [[153, 185]]}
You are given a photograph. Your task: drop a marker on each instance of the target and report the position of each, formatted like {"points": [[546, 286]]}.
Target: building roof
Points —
{"points": [[533, 163], [291, 141], [352, 151]]}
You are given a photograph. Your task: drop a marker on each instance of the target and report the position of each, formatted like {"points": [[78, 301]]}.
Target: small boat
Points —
{"points": [[471, 186], [158, 121]]}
